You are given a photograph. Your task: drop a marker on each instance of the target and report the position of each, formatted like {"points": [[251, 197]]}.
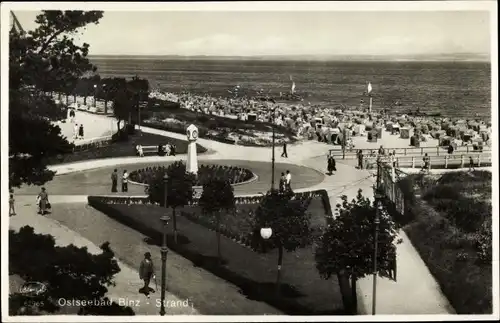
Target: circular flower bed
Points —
{"points": [[205, 173]]}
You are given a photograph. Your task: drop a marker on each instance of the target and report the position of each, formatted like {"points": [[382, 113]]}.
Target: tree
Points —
{"points": [[289, 221], [346, 246], [217, 195], [179, 189], [40, 61], [122, 105], [69, 272]]}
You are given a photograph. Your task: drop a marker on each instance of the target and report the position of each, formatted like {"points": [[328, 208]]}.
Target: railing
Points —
{"points": [[85, 144], [412, 151], [446, 161]]}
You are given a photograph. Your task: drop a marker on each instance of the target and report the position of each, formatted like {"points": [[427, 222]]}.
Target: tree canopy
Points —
{"points": [[179, 189], [346, 247], [217, 195], [289, 221], [42, 60], [68, 272], [286, 217], [347, 241]]}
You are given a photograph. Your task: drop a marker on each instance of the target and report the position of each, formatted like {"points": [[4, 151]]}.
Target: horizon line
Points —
{"points": [[451, 57]]}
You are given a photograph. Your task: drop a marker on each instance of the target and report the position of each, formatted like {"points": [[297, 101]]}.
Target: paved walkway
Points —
{"points": [[415, 292], [127, 280]]}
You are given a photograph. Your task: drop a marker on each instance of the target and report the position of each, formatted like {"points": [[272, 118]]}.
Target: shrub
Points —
{"points": [[120, 136], [206, 173], [442, 192]]}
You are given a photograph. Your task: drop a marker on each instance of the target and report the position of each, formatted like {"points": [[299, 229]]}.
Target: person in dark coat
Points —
{"points": [[161, 152], [146, 273], [114, 181], [284, 153], [360, 159], [282, 182], [80, 131], [331, 165]]}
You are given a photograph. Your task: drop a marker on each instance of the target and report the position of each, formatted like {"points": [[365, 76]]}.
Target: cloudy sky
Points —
{"points": [[285, 33]]}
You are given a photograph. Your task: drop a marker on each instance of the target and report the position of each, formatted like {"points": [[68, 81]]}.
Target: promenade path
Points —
{"points": [[415, 292]]}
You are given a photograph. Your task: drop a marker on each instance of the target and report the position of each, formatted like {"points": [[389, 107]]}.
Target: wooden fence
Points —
{"points": [[411, 151]]}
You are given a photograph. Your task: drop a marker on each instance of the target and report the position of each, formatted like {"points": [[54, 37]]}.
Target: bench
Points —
{"points": [[146, 150]]}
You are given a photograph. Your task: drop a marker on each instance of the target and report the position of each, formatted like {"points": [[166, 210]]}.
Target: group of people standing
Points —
{"points": [[78, 131], [285, 182], [114, 181]]}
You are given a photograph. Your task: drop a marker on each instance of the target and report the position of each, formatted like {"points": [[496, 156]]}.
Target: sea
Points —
{"points": [[453, 89]]}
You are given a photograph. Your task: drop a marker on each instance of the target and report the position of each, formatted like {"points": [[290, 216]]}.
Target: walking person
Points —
{"points": [[172, 149], [114, 181], [146, 272], [125, 181], [426, 161], [329, 167], [360, 159], [284, 153], [80, 131], [43, 201], [381, 151], [72, 115], [288, 181], [471, 164], [12, 201]]}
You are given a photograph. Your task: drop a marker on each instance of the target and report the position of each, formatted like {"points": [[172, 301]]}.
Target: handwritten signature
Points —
{"points": [[33, 289]]}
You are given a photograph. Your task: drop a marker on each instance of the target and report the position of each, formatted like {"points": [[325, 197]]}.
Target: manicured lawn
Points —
{"points": [[125, 149], [303, 291], [450, 225]]}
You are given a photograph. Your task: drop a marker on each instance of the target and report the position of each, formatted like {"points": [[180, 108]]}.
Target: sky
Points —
{"points": [[245, 33]]}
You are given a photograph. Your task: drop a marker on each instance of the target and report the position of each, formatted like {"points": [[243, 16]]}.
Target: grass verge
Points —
{"points": [[453, 240], [304, 292]]}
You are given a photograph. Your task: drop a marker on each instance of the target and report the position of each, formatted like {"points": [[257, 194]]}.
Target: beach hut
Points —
{"points": [[445, 141], [453, 131], [358, 130], [485, 135], [388, 126], [334, 136], [369, 126], [405, 133], [477, 144], [372, 136], [395, 129], [414, 141]]}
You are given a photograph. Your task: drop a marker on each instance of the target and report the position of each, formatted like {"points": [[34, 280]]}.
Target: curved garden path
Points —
{"points": [[415, 292]]}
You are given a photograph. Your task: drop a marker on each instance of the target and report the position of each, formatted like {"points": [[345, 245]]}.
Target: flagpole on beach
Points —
{"points": [[370, 95]]}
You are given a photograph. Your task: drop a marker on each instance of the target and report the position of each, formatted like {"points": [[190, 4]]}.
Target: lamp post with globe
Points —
{"points": [[164, 219], [95, 93]]}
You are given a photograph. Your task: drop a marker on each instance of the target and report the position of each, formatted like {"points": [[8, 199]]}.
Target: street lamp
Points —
{"points": [[266, 233], [95, 90], [164, 219], [273, 155], [375, 249]]}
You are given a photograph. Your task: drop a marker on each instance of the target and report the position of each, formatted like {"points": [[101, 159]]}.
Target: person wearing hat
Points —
{"points": [[146, 272], [43, 201]]}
